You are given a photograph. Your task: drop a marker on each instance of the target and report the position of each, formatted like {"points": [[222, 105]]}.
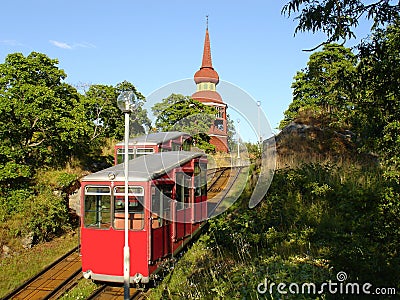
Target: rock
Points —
{"points": [[74, 201], [6, 251], [27, 241]]}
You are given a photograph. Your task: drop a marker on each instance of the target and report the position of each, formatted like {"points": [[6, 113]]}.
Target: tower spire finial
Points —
{"points": [[207, 22]]}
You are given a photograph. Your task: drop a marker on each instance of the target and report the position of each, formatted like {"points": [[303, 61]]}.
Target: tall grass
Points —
{"points": [[316, 220]]}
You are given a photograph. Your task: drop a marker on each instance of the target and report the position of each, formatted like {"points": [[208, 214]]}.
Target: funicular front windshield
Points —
{"points": [[135, 207], [97, 207]]}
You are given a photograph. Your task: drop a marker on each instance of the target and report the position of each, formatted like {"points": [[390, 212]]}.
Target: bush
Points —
{"points": [[13, 202], [47, 216], [316, 220]]}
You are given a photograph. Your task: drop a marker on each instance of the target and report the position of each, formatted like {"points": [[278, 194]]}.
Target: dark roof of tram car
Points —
{"points": [[155, 138], [147, 167]]}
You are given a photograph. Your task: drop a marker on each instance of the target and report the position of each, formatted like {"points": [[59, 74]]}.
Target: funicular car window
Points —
{"points": [[121, 154], [160, 203], [175, 146], [183, 185], [197, 181], [144, 151], [186, 145], [97, 207], [135, 207], [203, 178]]}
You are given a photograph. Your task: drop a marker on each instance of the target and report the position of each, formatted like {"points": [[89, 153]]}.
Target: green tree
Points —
{"points": [[378, 107], [375, 114], [230, 124], [104, 114], [140, 119], [325, 87], [182, 113], [41, 117], [338, 18]]}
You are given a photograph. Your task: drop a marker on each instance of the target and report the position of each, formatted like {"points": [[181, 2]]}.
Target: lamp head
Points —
{"points": [[125, 101]]}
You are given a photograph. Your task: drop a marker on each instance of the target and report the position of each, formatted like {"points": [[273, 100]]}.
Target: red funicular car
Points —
{"points": [[167, 204], [153, 143]]}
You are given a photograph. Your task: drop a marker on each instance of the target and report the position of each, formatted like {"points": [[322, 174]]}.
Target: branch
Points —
{"points": [[36, 143], [316, 47]]}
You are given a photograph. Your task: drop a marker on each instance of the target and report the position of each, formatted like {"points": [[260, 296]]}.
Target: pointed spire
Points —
{"points": [[207, 62], [206, 72]]}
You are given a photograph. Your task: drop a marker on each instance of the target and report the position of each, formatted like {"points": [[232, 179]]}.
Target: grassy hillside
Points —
{"points": [[328, 211]]}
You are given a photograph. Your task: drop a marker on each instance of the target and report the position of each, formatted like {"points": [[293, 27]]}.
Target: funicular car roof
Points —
{"points": [[155, 138], [145, 168]]}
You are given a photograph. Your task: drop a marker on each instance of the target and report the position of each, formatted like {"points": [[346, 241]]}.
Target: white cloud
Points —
{"points": [[60, 44], [73, 46]]}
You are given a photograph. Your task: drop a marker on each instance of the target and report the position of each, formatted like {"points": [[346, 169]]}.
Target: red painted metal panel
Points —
{"points": [[157, 243], [102, 251]]}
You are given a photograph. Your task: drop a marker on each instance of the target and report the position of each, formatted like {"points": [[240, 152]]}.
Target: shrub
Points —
{"points": [[47, 216]]}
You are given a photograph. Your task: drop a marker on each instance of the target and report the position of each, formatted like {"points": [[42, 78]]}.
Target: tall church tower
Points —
{"points": [[206, 80]]}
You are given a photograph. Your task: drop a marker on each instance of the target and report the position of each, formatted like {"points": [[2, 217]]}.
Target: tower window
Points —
{"points": [[219, 124], [220, 112]]}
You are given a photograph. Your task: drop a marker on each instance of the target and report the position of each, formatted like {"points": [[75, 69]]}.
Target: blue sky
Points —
{"points": [[154, 43]]}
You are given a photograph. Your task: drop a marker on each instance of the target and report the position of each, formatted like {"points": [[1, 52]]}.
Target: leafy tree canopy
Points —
{"points": [[41, 117], [182, 113], [379, 94], [360, 92], [325, 86], [338, 18], [107, 119]]}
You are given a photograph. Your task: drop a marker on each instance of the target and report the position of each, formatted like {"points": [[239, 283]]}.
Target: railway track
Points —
{"points": [[107, 292], [53, 281], [218, 181], [219, 186]]}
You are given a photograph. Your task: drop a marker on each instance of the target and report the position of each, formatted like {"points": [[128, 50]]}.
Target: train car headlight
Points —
{"points": [[137, 278], [111, 175], [87, 274]]}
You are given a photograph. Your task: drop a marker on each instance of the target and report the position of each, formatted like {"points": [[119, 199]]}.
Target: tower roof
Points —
{"points": [[206, 72]]}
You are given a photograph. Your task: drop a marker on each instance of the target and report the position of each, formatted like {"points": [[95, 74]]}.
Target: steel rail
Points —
{"points": [[47, 275], [109, 292]]}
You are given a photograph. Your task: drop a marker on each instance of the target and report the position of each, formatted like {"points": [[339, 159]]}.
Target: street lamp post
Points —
{"points": [[259, 121], [125, 103], [238, 141]]}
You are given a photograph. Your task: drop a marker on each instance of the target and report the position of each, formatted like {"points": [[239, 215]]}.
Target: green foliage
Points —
{"points": [[44, 123], [17, 269], [106, 118], [82, 290], [315, 221], [46, 216], [357, 93], [338, 18], [14, 201], [66, 179], [41, 120], [182, 113], [325, 86], [378, 103], [230, 125]]}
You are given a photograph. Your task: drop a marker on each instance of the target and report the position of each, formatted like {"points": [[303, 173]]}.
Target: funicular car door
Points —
{"points": [[161, 194], [184, 200], [200, 191]]}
